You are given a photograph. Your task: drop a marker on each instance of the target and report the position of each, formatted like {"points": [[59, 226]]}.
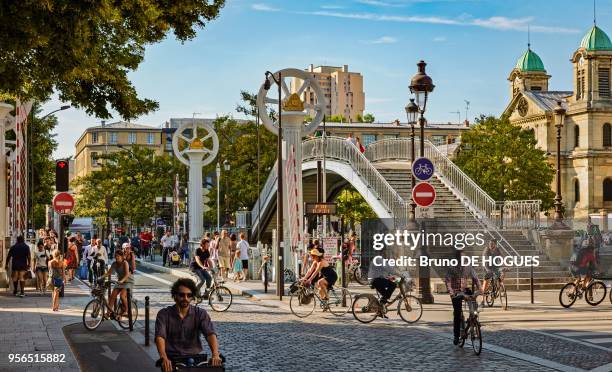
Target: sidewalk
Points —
{"points": [[29, 326], [544, 299]]}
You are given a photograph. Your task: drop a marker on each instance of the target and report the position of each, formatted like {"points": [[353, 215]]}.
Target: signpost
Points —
{"points": [[63, 203], [424, 194]]}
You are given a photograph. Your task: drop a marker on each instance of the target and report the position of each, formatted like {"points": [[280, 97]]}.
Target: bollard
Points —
{"points": [[129, 308], [146, 319], [531, 283]]}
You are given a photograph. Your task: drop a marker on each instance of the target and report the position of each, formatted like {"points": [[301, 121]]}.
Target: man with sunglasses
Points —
{"points": [[178, 328]]}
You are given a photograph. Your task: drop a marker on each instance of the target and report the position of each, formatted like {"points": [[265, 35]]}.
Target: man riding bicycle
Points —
{"points": [[492, 270], [200, 266], [178, 328], [457, 281]]}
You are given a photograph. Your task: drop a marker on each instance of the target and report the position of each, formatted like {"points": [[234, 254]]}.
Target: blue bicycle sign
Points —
{"points": [[423, 169]]}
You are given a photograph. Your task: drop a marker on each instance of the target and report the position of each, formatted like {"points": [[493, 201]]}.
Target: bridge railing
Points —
{"points": [[264, 195], [506, 215], [340, 149]]}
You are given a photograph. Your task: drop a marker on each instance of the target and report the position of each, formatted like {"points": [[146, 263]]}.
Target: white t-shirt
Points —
{"points": [[102, 253], [87, 252], [167, 241], [243, 246]]}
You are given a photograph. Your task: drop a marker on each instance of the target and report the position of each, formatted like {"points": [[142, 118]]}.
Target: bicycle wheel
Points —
{"points": [[461, 337], [335, 301], [503, 297], [410, 309], [366, 307], [124, 320], [567, 295], [476, 337], [360, 276], [93, 315], [302, 303], [595, 293], [220, 299]]}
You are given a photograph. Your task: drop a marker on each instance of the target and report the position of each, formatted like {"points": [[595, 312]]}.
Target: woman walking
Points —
{"points": [[58, 278], [40, 267], [72, 257]]}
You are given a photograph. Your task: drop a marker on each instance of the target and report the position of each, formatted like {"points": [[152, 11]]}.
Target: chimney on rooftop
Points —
{"points": [[311, 68], [466, 123], [103, 123], [345, 68]]}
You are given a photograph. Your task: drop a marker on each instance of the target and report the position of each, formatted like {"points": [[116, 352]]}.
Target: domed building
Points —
{"points": [[586, 135]]}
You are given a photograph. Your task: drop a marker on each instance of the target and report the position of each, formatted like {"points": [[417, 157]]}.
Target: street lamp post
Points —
{"points": [[218, 169], [421, 85], [559, 113], [226, 167], [412, 111]]}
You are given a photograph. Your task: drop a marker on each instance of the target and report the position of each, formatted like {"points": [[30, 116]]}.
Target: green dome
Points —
{"points": [[530, 61], [596, 39]]}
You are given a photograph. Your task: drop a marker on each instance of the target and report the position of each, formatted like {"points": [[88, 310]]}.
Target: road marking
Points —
{"points": [[551, 334], [604, 368], [580, 334], [599, 340], [154, 277], [112, 355]]}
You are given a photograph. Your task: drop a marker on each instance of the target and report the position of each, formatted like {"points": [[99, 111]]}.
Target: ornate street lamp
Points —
{"points": [[559, 113], [226, 167], [412, 112], [421, 85]]}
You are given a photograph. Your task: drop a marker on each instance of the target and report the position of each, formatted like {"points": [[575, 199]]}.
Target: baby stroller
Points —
{"points": [[174, 258]]}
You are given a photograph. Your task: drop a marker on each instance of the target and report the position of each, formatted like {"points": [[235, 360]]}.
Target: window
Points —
{"points": [[366, 139], [603, 75], [576, 190], [94, 137], [607, 190], [94, 159], [607, 135], [151, 138], [131, 138], [169, 142], [576, 136], [438, 140], [386, 136], [113, 138], [536, 88]]}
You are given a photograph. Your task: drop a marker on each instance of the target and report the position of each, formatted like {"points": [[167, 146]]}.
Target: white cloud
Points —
{"points": [[439, 39], [382, 40], [264, 8]]}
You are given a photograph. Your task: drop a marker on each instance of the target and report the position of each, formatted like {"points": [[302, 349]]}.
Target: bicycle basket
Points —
{"points": [[294, 287], [305, 297]]}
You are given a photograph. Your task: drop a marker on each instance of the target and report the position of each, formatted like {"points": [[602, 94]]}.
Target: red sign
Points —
{"points": [[424, 194], [63, 203]]}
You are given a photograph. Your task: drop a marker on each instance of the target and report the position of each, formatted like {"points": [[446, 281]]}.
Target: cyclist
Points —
{"points": [[456, 281], [320, 272], [200, 265], [125, 280], [587, 263], [492, 270], [178, 328]]}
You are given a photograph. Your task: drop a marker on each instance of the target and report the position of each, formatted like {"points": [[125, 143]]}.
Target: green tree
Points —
{"points": [[42, 144], [353, 207], [368, 118], [84, 50], [133, 180], [336, 119], [504, 160], [359, 118]]}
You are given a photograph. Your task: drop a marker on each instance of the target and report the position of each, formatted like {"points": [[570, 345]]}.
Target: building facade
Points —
{"points": [[586, 135], [342, 89], [107, 138]]}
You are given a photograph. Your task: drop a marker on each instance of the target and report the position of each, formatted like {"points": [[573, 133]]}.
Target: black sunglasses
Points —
{"points": [[184, 295]]}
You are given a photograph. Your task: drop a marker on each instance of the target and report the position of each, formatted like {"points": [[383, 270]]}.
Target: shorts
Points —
{"points": [[18, 275], [245, 264], [58, 282], [42, 269], [224, 262]]}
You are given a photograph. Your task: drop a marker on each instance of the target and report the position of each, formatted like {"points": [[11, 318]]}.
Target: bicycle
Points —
{"points": [[95, 310], [570, 292], [289, 276], [219, 296], [353, 270], [304, 300], [497, 289], [195, 362], [367, 307], [471, 327]]}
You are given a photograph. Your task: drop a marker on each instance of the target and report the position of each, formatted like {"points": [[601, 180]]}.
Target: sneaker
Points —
{"points": [[22, 295], [456, 341]]}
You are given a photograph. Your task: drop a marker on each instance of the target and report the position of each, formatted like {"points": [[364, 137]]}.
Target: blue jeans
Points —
{"points": [[204, 277]]}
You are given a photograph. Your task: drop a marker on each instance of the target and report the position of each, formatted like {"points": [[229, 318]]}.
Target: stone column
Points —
{"points": [[4, 111], [603, 225]]}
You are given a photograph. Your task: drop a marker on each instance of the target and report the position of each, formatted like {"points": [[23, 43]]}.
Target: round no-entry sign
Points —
{"points": [[63, 203], [424, 194]]}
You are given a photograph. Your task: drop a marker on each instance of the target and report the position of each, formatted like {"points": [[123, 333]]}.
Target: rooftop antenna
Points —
{"points": [[594, 14], [467, 108], [528, 37]]}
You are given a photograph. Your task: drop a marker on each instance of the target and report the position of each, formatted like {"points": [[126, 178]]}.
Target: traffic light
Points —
{"points": [[62, 170]]}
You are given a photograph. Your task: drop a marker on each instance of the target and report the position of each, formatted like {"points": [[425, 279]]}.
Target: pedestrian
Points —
{"points": [[238, 274], [19, 255], [129, 256], [359, 145], [145, 242], [243, 247], [40, 267], [167, 243], [58, 277], [80, 243], [213, 248], [224, 252], [350, 139], [233, 247], [72, 257]]}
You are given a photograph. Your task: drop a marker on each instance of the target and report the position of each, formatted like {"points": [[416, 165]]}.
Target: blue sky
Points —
{"points": [[470, 47]]}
